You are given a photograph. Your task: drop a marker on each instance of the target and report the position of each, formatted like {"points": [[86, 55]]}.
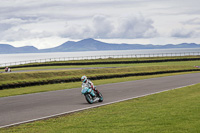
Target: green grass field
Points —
{"points": [[174, 111]]}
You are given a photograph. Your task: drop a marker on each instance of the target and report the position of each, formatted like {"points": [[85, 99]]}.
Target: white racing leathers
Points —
{"points": [[89, 85]]}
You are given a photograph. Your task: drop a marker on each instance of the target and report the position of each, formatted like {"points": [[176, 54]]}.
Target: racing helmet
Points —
{"points": [[83, 78]]}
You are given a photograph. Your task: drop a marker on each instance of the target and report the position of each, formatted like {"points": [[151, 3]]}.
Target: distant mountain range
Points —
{"points": [[90, 45], [8, 49]]}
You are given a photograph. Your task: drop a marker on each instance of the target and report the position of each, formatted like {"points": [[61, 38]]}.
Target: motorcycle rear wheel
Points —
{"points": [[100, 97]]}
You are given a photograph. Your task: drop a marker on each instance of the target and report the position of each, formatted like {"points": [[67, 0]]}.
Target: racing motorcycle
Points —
{"points": [[7, 69], [89, 97]]}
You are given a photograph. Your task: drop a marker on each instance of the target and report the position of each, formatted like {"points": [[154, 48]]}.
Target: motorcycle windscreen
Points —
{"points": [[84, 90]]}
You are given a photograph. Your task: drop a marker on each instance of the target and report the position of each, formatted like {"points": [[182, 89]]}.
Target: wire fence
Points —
{"points": [[99, 57]]}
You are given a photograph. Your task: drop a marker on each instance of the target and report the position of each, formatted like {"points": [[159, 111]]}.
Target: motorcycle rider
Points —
{"points": [[6, 69], [89, 84]]}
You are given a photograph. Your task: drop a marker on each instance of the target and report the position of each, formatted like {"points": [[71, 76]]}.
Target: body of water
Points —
{"points": [[7, 58]]}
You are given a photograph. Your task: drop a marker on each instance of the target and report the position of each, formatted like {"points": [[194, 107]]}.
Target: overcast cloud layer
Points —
{"points": [[49, 23]]}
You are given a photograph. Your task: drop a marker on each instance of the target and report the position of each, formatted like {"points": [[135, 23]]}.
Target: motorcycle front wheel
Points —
{"points": [[88, 98]]}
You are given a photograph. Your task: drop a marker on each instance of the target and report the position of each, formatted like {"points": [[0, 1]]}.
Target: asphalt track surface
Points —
{"points": [[15, 110], [38, 70]]}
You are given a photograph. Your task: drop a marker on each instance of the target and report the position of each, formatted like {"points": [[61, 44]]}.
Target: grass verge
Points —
{"points": [[172, 111]]}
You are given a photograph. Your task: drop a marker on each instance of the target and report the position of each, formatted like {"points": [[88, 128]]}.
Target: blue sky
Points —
{"points": [[49, 23]]}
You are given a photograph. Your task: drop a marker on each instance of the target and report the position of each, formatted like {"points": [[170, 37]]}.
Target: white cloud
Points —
{"points": [[21, 34], [188, 29], [75, 31], [185, 33], [104, 19], [6, 24], [103, 27], [193, 21], [182, 33], [136, 27]]}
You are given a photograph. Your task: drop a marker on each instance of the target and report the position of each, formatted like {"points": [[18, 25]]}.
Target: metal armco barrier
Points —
{"points": [[99, 57]]}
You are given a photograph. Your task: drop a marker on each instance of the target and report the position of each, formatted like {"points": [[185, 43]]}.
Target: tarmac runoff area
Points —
{"points": [[15, 110]]}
